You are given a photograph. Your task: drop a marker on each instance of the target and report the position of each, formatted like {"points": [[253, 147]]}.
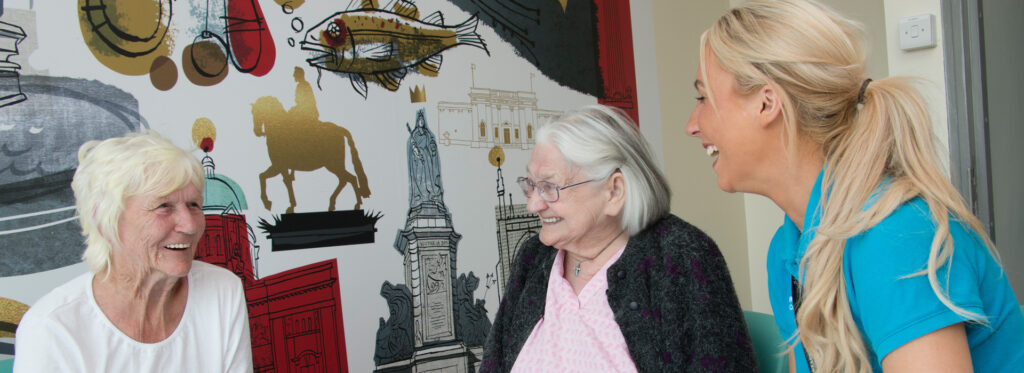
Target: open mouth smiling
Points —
{"points": [[712, 150], [177, 246]]}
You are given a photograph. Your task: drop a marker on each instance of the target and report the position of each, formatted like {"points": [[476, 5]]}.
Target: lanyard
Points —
{"points": [[797, 299]]}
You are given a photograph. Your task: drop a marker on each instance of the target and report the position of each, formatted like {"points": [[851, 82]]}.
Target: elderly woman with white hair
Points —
{"points": [[613, 282], [145, 306]]}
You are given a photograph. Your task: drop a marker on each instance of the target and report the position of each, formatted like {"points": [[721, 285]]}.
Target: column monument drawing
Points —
{"points": [[434, 323]]}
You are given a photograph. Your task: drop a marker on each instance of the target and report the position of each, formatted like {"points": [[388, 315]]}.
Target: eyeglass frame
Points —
{"points": [[533, 186]]}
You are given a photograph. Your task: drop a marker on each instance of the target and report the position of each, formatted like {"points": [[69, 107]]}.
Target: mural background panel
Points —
{"points": [[499, 88]]}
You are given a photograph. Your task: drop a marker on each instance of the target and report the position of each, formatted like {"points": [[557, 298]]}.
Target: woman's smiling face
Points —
{"points": [[726, 128], [159, 234], [576, 220]]}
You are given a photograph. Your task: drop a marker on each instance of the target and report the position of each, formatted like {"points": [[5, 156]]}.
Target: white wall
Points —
{"points": [[924, 63], [696, 197], [644, 57]]}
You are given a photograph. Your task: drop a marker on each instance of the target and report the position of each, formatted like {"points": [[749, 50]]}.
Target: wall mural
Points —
{"points": [[304, 104], [433, 323], [382, 46], [298, 141]]}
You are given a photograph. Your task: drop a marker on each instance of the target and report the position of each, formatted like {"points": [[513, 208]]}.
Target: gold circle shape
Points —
{"points": [[126, 35], [496, 156], [203, 128], [204, 63], [164, 73]]}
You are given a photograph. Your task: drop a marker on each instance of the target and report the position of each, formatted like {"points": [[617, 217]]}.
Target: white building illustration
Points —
{"points": [[492, 117]]}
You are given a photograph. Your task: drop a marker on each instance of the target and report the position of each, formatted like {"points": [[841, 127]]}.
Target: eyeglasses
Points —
{"points": [[547, 191]]}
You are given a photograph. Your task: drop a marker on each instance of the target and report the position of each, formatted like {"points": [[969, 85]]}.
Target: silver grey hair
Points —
{"points": [[601, 139], [112, 170]]}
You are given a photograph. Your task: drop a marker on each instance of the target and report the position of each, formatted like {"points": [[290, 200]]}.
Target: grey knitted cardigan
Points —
{"points": [[671, 295]]}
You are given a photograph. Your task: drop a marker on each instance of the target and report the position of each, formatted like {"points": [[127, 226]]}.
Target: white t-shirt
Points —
{"points": [[65, 331]]}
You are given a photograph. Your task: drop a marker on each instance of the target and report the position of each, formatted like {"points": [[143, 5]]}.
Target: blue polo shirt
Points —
{"points": [[891, 309]]}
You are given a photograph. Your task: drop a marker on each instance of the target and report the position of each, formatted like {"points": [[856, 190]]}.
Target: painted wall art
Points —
{"points": [[356, 153]]}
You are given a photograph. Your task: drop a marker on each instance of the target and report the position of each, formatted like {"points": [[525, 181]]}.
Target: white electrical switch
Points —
{"points": [[917, 32]]}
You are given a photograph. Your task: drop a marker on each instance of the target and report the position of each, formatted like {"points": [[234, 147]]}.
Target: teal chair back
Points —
{"points": [[768, 344]]}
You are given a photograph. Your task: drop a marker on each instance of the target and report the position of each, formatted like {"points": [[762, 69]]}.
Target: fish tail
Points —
{"points": [[465, 33]]}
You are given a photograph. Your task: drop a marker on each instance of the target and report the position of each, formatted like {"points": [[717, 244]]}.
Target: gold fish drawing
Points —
{"points": [[373, 44]]}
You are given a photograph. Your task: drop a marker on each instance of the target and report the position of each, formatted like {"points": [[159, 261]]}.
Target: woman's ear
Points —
{"points": [[771, 103], [615, 192]]}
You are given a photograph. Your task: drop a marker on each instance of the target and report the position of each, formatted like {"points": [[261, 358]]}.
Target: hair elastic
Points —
{"points": [[863, 87]]}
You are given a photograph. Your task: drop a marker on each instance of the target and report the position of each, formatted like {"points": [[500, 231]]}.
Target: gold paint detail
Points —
{"points": [[496, 156], [399, 43], [163, 73], [564, 3], [204, 63], [293, 4], [305, 101], [203, 128], [126, 35], [405, 8], [417, 94], [298, 142], [11, 312]]}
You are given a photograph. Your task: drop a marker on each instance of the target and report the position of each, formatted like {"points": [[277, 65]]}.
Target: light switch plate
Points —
{"points": [[917, 32]]}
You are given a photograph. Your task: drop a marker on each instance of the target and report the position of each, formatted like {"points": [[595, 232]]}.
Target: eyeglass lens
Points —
{"points": [[547, 191]]}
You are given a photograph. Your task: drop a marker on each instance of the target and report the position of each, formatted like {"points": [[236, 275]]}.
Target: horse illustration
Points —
{"points": [[303, 143]]}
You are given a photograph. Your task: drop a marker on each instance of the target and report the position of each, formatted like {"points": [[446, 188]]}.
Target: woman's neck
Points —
{"points": [[578, 270], [145, 308], [793, 184]]}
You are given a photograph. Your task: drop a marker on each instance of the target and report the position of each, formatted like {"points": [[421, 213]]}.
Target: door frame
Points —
{"points": [[963, 49]]}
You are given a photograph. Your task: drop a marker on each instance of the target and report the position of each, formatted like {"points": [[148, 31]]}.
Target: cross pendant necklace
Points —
{"points": [[576, 271]]}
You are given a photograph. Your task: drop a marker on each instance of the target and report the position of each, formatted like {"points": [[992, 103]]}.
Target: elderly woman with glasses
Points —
{"points": [[613, 282]]}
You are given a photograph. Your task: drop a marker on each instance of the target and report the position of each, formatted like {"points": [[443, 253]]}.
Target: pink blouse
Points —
{"points": [[577, 333]]}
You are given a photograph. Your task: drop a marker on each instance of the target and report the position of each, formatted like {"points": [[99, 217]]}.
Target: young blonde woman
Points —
{"points": [[879, 265]]}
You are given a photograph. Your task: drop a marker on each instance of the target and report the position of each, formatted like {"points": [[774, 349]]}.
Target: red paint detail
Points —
{"points": [[252, 47], [294, 316], [381, 24], [338, 38], [206, 144], [615, 56]]}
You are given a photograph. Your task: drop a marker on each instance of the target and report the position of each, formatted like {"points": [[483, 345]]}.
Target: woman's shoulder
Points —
{"points": [[58, 315], [70, 294], [673, 234], [901, 244], [532, 251], [910, 229], [201, 268], [209, 277]]}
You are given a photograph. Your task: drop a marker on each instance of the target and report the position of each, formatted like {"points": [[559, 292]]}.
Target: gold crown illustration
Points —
{"points": [[417, 95]]}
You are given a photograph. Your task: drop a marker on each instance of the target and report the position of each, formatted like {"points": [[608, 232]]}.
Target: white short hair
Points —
{"points": [[112, 170], [602, 139]]}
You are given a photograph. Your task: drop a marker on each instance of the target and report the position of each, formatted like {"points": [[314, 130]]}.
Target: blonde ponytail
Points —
{"points": [[873, 134]]}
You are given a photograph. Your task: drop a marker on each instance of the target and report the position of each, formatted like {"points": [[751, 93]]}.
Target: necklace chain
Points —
{"points": [[576, 270]]}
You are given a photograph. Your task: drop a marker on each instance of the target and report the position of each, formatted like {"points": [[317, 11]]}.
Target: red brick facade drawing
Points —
{"points": [[294, 316]]}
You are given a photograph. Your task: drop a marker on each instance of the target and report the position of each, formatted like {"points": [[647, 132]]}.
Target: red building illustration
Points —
{"points": [[294, 316]]}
